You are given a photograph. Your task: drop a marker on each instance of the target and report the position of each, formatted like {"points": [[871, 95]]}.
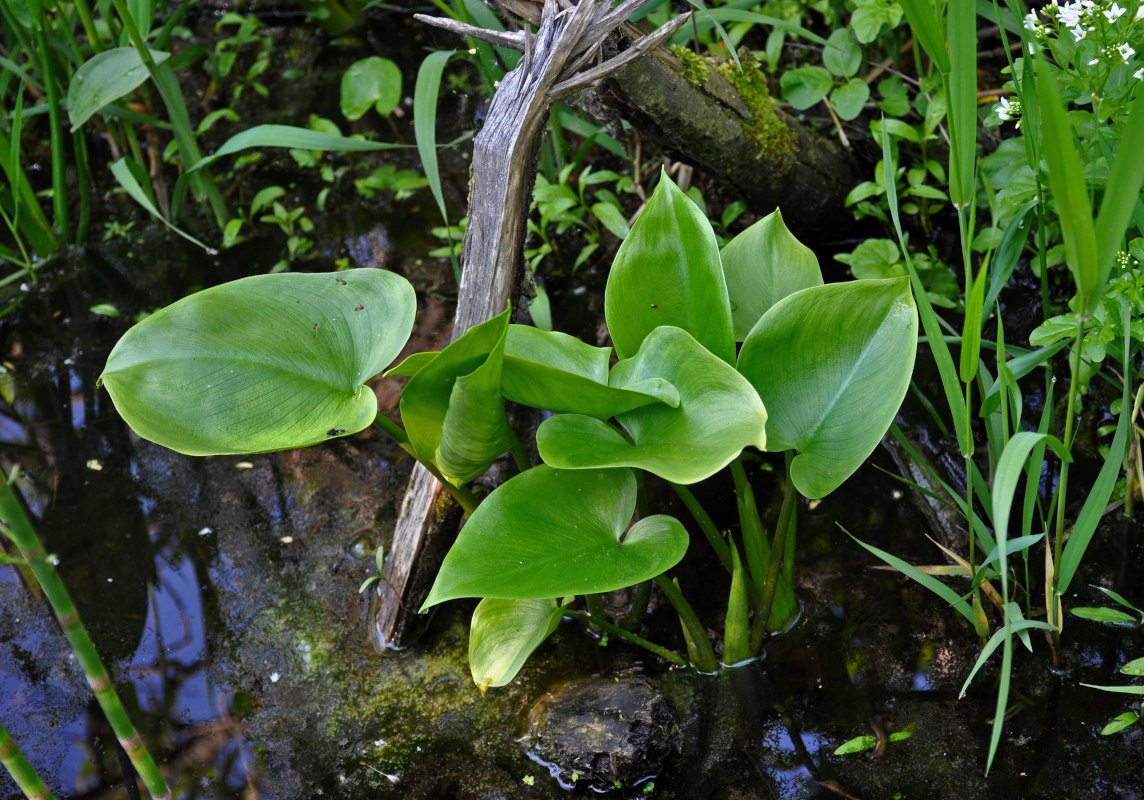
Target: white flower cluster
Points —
{"points": [[1080, 18], [1009, 110]]}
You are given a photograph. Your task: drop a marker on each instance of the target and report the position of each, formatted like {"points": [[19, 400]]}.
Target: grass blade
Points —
{"points": [[1066, 178], [926, 26], [961, 89], [425, 96], [125, 171], [1122, 192]]}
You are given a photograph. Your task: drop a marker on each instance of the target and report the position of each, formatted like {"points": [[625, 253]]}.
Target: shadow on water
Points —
{"points": [[223, 594]]}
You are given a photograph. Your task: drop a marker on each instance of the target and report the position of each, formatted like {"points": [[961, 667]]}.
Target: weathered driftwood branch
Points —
{"points": [[500, 189]]}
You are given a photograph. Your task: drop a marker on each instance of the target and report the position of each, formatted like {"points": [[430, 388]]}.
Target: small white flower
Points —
{"points": [[1126, 51], [1094, 62], [1139, 74], [1031, 21], [274, 676], [1008, 110], [1078, 32], [1114, 13], [1139, 14]]}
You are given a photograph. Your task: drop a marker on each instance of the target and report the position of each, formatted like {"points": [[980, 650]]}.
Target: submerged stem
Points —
{"points": [[19, 529], [774, 567], [663, 652], [705, 524], [21, 771], [754, 539]]}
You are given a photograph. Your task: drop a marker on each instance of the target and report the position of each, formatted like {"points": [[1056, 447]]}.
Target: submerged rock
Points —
{"points": [[604, 732]]}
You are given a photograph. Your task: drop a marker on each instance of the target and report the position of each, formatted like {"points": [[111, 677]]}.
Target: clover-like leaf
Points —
{"points": [[503, 635], [551, 533], [667, 272], [763, 264], [556, 372], [372, 82], [263, 363], [719, 414], [832, 364], [452, 407]]}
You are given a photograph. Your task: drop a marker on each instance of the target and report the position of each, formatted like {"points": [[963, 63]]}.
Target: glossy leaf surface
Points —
{"points": [[719, 414], [832, 364], [557, 372], [503, 635], [551, 533], [104, 78], [452, 407], [667, 272], [263, 363], [762, 265]]}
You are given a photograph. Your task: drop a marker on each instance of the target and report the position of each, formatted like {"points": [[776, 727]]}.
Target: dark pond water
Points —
{"points": [[223, 593]]}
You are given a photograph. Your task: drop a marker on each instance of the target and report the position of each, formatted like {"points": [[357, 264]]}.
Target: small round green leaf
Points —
{"points": [[667, 272], [832, 364], [503, 635], [269, 362], [551, 533], [373, 81], [850, 98], [842, 55], [805, 86], [719, 414]]}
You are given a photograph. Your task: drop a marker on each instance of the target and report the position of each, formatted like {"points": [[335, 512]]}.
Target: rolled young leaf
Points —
{"points": [[832, 364], [719, 414], [452, 407], [503, 635], [269, 362], [667, 272], [550, 533]]}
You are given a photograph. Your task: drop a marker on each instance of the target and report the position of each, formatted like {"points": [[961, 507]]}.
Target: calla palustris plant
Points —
{"points": [[281, 361]]}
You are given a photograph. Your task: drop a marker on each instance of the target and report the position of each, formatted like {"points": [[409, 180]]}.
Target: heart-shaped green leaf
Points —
{"points": [[551, 533], [832, 363], [557, 372], [719, 414], [371, 82], [667, 272], [764, 264], [503, 635], [452, 407], [263, 363]]}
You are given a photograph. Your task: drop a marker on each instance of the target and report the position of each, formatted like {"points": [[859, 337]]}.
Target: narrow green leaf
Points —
{"points": [[1111, 615], [719, 414], [503, 635], [667, 272], [551, 533], [127, 173], [292, 137], [961, 87], [425, 96], [926, 26], [104, 78], [832, 364], [996, 640], [269, 362], [971, 328], [762, 265], [858, 744], [1122, 192], [1117, 689], [1066, 178], [1120, 722], [1093, 510], [1134, 667]]}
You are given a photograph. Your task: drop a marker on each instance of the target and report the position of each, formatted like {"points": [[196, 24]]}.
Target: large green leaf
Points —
{"points": [[557, 372], [452, 407], [104, 78], [667, 272], [264, 363], [551, 533], [719, 414], [832, 364], [503, 635], [762, 265]]}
